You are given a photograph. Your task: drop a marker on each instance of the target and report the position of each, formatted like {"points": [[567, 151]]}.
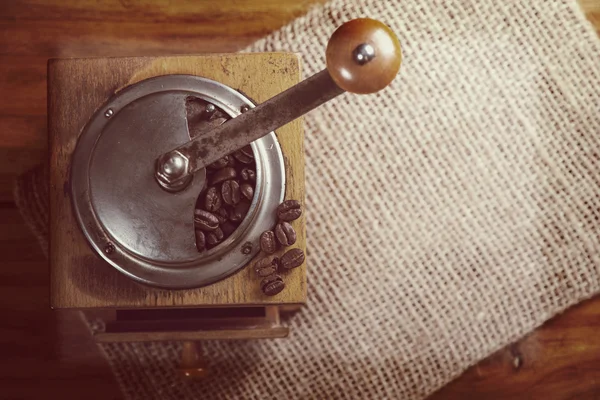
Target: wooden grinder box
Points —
{"points": [[233, 307]]}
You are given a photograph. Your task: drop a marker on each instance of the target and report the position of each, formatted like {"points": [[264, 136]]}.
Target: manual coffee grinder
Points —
{"points": [[133, 148]]}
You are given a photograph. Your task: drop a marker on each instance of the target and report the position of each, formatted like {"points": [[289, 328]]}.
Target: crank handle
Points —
{"points": [[363, 56]]}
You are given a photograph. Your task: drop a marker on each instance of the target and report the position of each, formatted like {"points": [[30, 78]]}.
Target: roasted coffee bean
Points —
{"points": [[272, 285], [222, 215], [289, 210], [241, 157], [232, 163], [212, 199], [205, 220], [285, 233], [223, 174], [291, 259], [237, 213], [220, 163], [200, 240], [230, 191], [228, 228], [267, 242], [247, 190], [267, 266], [214, 237], [248, 174], [244, 155], [247, 151], [233, 214]]}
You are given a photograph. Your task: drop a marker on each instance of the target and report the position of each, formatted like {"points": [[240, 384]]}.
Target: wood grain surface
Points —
{"points": [[49, 354], [33, 31], [76, 89]]}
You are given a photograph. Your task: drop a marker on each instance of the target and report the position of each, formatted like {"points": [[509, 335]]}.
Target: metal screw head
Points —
{"points": [[174, 166], [363, 53], [210, 108], [109, 248], [109, 113], [247, 248], [171, 171], [244, 109]]}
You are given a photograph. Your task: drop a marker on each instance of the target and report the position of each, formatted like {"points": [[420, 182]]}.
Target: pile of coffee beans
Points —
{"points": [[283, 235], [225, 199]]}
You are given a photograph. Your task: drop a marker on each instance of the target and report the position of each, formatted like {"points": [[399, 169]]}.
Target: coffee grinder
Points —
{"points": [[131, 141]]}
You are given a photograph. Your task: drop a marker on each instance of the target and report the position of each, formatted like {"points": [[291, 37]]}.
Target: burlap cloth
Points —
{"points": [[447, 215]]}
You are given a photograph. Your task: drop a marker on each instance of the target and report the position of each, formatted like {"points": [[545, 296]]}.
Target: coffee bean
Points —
{"points": [[223, 174], [205, 221], [212, 200], [272, 285], [222, 215], [228, 228], [214, 237], [267, 242], [232, 162], [248, 174], [230, 191], [247, 190], [238, 212], [244, 155], [285, 233], [247, 151], [267, 266], [200, 240], [291, 259], [289, 210], [220, 163]]}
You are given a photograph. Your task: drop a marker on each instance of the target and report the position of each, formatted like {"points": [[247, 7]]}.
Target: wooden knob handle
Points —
{"points": [[363, 56], [192, 367]]}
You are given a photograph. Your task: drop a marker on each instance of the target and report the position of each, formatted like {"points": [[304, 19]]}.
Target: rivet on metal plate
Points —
{"points": [[109, 248], [109, 113], [247, 248]]}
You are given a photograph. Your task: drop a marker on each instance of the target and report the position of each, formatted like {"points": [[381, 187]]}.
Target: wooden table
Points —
{"points": [[49, 354]]}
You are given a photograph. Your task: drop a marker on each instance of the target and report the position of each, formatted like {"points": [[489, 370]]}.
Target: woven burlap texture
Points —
{"points": [[447, 216]]}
